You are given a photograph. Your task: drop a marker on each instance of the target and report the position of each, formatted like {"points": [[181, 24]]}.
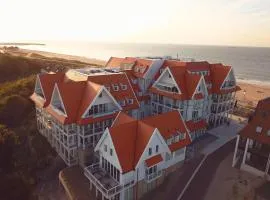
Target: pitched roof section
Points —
{"points": [[167, 123], [258, 127], [130, 140], [122, 118], [47, 82], [193, 126], [118, 79], [114, 62], [71, 101], [153, 160]]}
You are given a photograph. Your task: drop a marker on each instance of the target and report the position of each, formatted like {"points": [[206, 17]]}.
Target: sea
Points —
{"points": [[251, 64]]}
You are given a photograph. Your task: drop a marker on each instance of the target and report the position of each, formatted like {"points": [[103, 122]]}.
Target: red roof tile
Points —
{"points": [[47, 82], [167, 123], [130, 140], [193, 126], [153, 160], [260, 119]]}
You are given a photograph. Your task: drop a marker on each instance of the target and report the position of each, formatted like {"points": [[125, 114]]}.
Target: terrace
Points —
{"points": [[103, 181]]}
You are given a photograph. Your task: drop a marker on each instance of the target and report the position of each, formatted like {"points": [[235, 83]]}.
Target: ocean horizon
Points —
{"points": [[251, 64]]}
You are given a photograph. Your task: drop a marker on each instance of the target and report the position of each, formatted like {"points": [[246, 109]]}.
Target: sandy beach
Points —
{"points": [[252, 93]]}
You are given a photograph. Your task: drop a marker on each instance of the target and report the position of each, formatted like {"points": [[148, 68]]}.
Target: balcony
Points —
{"points": [[101, 114], [153, 176], [108, 186]]}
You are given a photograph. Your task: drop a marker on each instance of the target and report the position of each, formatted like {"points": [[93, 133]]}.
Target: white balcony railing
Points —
{"points": [[101, 114], [153, 176], [103, 182]]}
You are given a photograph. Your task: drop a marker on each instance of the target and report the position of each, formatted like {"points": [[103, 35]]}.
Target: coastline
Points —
{"points": [[251, 90]]}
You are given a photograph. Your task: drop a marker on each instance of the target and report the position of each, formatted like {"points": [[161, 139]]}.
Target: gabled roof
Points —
{"points": [[168, 124], [130, 140], [186, 82], [260, 119], [130, 137], [71, 101], [219, 73], [118, 79], [47, 82]]}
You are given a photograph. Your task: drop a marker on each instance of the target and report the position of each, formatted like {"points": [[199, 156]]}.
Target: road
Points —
{"points": [[200, 183]]}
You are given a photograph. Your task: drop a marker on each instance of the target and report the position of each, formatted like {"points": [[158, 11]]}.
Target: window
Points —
{"points": [[170, 76], [176, 138], [258, 129], [130, 101], [150, 151], [268, 132], [111, 152], [123, 87], [157, 148], [115, 87], [169, 141], [122, 103], [105, 148], [100, 95], [90, 112], [195, 115]]}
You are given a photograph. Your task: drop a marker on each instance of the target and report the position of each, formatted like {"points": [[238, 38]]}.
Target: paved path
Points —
{"points": [[201, 181], [214, 153]]}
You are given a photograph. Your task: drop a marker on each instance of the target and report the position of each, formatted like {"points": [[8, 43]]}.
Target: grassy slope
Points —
{"points": [[22, 150]]}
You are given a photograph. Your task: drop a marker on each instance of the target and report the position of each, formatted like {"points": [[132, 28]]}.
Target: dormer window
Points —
{"points": [[176, 138], [123, 87], [115, 87], [122, 102], [258, 129], [130, 101]]}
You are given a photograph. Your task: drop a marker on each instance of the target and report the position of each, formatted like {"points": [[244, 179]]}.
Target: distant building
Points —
{"points": [[252, 150], [170, 103]]}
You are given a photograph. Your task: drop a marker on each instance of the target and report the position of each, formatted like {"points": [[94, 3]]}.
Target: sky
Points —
{"points": [[207, 22]]}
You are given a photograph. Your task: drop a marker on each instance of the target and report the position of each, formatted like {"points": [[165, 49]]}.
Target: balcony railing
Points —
{"points": [[103, 181], [101, 114], [153, 176]]}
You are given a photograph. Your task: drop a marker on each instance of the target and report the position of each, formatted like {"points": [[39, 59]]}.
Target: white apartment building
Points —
{"points": [[76, 110]]}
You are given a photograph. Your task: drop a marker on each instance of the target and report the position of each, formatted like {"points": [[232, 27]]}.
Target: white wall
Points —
{"points": [[154, 140], [175, 158], [112, 159]]}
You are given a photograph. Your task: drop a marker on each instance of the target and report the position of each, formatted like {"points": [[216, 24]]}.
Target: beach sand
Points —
{"points": [[250, 94]]}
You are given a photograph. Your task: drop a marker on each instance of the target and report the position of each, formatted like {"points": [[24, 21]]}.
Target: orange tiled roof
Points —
{"points": [[109, 80], [167, 123], [47, 82], [193, 126], [114, 62], [153, 160], [130, 140], [130, 136], [71, 101], [122, 118], [261, 119]]}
